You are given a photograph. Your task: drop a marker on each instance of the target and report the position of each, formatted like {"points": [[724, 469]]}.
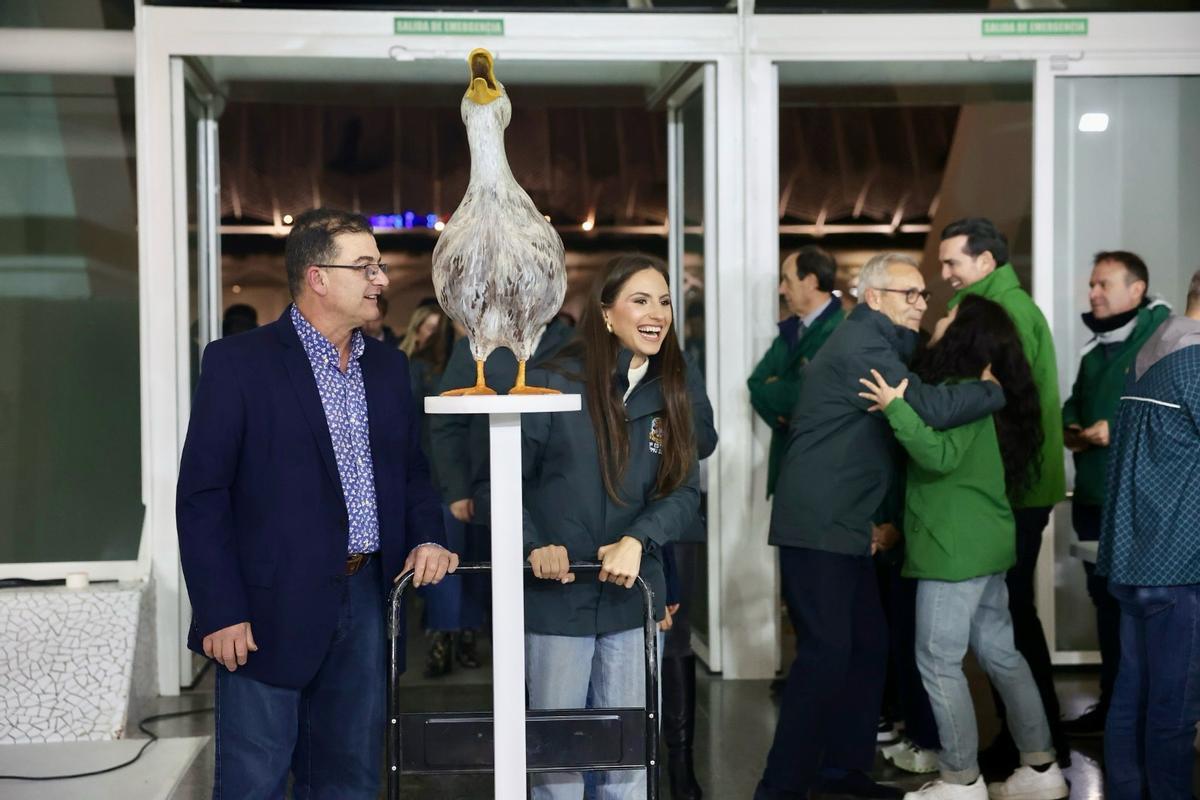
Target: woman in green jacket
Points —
{"points": [[960, 541], [614, 482]]}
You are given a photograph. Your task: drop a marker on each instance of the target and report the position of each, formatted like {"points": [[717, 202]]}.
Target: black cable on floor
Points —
{"points": [[141, 726]]}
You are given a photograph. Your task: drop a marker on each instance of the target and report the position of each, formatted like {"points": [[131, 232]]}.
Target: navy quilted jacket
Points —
{"points": [[1151, 525]]}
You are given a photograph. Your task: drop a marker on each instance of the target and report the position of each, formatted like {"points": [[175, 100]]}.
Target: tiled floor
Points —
{"points": [[735, 721]]}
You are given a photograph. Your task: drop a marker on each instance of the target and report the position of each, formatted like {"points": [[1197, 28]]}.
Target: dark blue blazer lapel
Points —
{"points": [[305, 385]]}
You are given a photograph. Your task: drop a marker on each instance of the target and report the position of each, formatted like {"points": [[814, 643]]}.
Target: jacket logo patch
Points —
{"points": [[656, 435]]}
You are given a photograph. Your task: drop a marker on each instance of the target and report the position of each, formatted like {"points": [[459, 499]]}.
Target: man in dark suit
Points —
{"points": [[835, 474], [303, 493]]}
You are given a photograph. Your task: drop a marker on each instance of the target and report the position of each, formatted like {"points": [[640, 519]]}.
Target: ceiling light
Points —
{"points": [[439, 226], [287, 219], [1093, 122], [588, 225]]}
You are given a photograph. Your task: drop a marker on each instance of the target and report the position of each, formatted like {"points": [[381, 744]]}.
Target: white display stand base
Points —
{"points": [[508, 589]]}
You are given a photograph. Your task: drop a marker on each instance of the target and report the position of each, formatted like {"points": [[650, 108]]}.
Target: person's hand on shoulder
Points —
{"points": [[230, 646], [879, 392]]}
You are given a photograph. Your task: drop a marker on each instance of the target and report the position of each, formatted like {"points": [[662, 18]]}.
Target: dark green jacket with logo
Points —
{"points": [[460, 441], [841, 460], [1003, 287], [565, 504], [1097, 393], [775, 382]]}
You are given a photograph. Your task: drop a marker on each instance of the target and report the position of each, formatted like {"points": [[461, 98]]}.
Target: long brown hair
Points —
{"points": [[599, 349], [436, 350]]}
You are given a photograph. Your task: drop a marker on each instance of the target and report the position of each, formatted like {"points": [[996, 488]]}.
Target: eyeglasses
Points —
{"points": [[372, 271], [910, 295]]}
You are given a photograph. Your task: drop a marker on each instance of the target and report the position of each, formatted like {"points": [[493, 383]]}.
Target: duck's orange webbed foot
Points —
{"points": [[479, 389], [521, 388]]}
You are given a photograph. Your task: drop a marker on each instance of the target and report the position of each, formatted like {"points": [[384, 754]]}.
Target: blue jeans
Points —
{"points": [[605, 671], [950, 617], [329, 734], [459, 602], [1156, 701]]}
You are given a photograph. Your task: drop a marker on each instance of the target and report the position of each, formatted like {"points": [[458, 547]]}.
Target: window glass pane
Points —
{"points": [[79, 14], [1126, 178], [70, 481]]}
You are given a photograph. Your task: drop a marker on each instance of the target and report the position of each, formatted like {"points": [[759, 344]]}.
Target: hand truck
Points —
{"points": [[559, 740]]}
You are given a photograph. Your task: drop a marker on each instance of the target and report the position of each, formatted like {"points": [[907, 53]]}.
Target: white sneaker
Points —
{"points": [[911, 758], [940, 790], [1029, 784]]}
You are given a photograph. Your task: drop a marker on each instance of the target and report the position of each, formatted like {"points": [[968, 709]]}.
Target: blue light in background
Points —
{"points": [[407, 220]]}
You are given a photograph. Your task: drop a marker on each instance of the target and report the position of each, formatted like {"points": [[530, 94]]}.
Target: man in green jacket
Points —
{"points": [[974, 258], [806, 281], [1122, 318]]}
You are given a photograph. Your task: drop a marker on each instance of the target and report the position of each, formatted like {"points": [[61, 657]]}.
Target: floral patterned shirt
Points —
{"points": [[344, 399]]}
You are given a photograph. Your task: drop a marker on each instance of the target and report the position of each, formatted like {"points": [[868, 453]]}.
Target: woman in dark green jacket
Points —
{"points": [[961, 539], [614, 482]]}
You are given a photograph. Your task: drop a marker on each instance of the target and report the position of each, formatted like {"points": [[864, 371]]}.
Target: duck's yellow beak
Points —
{"points": [[483, 88]]}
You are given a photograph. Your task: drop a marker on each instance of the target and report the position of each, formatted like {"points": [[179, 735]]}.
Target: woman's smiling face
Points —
{"points": [[641, 315]]}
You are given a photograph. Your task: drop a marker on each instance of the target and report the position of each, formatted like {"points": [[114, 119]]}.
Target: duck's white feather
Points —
{"points": [[499, 268]]}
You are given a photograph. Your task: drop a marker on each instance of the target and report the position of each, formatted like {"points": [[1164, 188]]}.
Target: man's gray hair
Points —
{"points": [[874, 273], [1193, 298]]}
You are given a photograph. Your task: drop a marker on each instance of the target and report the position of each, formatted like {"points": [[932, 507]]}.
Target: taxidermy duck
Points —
{"points": [[499, 268]]}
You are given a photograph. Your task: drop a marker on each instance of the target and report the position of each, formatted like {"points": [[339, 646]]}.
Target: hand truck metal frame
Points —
{"points": [[560, 740]]}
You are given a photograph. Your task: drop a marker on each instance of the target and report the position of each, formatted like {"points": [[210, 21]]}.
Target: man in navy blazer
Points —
{"points": [[303, 493]]}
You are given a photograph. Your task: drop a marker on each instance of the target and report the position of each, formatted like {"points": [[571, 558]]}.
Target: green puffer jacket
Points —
{"points": [[1097, 393], [1003, 287], [957, 519]]}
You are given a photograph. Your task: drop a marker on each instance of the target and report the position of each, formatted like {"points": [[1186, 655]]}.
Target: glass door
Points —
{"points": [[196, 104], [691, 203], [1122, 142]]}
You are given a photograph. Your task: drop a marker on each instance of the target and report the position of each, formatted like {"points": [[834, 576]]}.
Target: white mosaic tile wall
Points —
{"points": [[66, 661]]}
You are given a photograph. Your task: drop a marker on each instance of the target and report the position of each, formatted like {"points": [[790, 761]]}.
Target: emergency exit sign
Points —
{"points": [[1058, 26], [449, 26]]}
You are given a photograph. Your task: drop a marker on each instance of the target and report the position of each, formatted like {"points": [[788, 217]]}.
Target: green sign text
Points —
{"points": [[449, 26], [1075, 26]]}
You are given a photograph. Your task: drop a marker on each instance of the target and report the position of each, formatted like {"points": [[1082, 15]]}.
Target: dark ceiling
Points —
{"points": [[865, 165]]}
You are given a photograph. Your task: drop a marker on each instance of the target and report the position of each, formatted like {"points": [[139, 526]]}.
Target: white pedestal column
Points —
{"points": [[508, 595]]}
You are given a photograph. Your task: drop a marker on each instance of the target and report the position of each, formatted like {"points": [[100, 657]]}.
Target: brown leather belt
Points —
{"points": [[357, 561]]}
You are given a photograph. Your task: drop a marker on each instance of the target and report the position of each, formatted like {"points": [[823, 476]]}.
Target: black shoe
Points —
{"points": [[1088, 724], [856, 784], [1000, 758], [679, 725], [437, 663], [465, 652]]}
